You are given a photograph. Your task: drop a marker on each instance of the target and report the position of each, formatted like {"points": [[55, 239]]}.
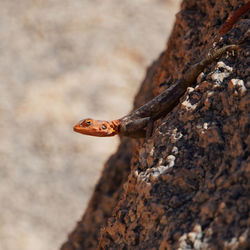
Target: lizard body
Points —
{"points": [[139, 123], [134, 123]]}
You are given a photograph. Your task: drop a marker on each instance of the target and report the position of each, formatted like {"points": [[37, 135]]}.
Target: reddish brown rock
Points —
{"points": [[187, 187]]}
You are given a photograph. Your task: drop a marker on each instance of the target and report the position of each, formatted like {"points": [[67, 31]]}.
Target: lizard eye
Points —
{"points": [[88, 123], [104, 127]]}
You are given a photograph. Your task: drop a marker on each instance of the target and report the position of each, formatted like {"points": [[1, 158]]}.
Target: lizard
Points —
{"points": [[139, 123]]}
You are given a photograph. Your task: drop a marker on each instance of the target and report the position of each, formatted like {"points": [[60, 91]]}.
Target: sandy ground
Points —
{"points": [[62, 61]]}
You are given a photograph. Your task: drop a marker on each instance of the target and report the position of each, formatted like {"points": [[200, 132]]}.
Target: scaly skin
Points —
{"points": [[97, 127], [139, 123]]}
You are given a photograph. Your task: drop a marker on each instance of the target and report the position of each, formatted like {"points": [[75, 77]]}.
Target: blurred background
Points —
{"points": [[61, 61]]}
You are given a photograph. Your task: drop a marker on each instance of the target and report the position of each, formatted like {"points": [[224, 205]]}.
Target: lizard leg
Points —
{"points": [[150, 127], [135, 128]]}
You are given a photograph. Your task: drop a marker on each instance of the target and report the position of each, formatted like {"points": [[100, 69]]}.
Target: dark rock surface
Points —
{"points": [[187, 187], [61, 61]]}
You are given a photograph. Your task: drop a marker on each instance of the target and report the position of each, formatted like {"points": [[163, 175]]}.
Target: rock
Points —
{"points": [[186, 187]]}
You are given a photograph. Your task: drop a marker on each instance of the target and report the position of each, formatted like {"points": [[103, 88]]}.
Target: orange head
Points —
{"points": [[97, 127]]}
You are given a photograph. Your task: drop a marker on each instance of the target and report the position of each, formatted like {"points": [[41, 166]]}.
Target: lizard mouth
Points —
{"points": [[81, 130], [86, 131], [76, 128]]}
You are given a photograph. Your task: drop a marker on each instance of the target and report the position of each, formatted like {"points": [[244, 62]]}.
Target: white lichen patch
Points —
{"points": [[205, 125], [210, 93], [202, 128], [175, 136], [186, 104], [236, 241], [152, 151], [207, 102], [170, 161], [199, 79], [175, 150], [160, 161], [221, 72], [193, 239], [243, 238], [232, 244], [221, 64], [155, 172], [238, 86], [190, 90], [136, 174]]}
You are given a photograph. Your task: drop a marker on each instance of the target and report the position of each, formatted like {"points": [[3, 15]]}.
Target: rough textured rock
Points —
{"points": [[186, 187]]}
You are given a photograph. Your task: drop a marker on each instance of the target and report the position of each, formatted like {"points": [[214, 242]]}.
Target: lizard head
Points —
{"points": [[97, 127]]}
